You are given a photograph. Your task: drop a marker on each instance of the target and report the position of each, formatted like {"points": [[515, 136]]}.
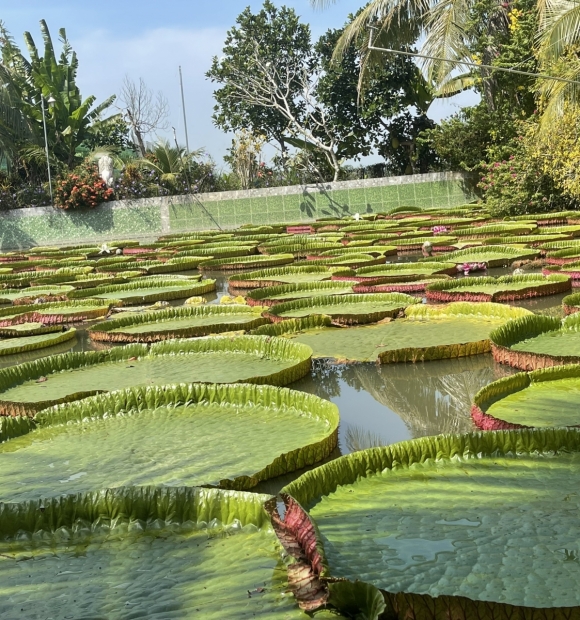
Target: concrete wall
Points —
{"points": [[150, 217]]}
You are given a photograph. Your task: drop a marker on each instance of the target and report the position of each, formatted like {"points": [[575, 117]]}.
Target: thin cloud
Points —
{"points": [[155, 55]]}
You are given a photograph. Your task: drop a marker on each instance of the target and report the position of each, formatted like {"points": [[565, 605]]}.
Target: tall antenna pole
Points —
{"points": [[183, 107]]}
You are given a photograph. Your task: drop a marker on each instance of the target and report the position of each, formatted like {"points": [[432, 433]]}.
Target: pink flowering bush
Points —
{"points": [[518, 185]]}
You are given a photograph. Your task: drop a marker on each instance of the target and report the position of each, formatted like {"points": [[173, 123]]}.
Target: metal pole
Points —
{"points": [[183, 108], [46, 149], [542, 76]]}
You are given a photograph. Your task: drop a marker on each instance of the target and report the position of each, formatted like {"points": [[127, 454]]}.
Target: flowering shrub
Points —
{"points": [[521, 183], [83, 187]]}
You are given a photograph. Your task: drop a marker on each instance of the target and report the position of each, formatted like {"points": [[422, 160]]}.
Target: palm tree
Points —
{"points": [[443, 25], [169, 162], [558, 44]]}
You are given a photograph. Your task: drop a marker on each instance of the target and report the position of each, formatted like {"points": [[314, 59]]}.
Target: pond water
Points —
{"points": [[379, 405]]}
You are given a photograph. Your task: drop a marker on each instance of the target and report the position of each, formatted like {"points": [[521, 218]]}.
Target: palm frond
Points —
{"points": [[388, 16], [559, 28], [456, 84], [555, 96], [445, 24]]}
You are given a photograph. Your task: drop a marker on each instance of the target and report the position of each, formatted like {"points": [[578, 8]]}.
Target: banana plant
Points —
{"points": [[50, 80]]}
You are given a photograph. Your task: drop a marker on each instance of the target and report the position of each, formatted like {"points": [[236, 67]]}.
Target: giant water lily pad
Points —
{"points": [[180, 435], [400, 285], [489, 230], [150, 290], [352, 261], [491, 255], [401, 271], [467, 526], [289, 292], [56, 312], [28, 328], [146, 553], [347, 309], [535, 342], [185, 322], [12, 296], [276, 276], [249, 359], [504, 288], [571, 303], [10, 346], [547, 397], [427, 333], [373, 250], [246, 262]]}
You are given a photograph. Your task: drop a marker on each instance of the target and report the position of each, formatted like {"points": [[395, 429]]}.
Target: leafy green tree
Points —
{"points": [[386, 117], [45, 78], [282, 41], [112, 132], [487, 131]]}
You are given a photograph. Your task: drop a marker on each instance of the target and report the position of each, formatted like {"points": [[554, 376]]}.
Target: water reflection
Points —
{"points": [[380, 405]]}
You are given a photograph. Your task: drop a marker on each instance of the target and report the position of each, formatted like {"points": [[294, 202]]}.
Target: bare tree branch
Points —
{"points": [[268, 86], [144, 110]]}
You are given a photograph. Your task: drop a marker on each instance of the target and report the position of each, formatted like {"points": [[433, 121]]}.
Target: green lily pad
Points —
{"points": [[185, 322], [249, 359], [246, 262], [284, 275], [542, 398], [146, 553], [10, 346], [504, 288], [482, 525], [537, 342], [427, 332], [150, 290], [374, 250], [492, 255], [489, 230], [28, 328], [353, 261], [348, 309], [9, 296], [386, 273], [178, 435], [289, 292]]}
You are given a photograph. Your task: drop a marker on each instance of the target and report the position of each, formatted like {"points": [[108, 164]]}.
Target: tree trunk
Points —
{"points": [[136, 133]]}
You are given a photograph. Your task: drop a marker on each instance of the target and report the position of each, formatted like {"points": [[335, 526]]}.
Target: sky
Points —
{"points": [[151, 39]]}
